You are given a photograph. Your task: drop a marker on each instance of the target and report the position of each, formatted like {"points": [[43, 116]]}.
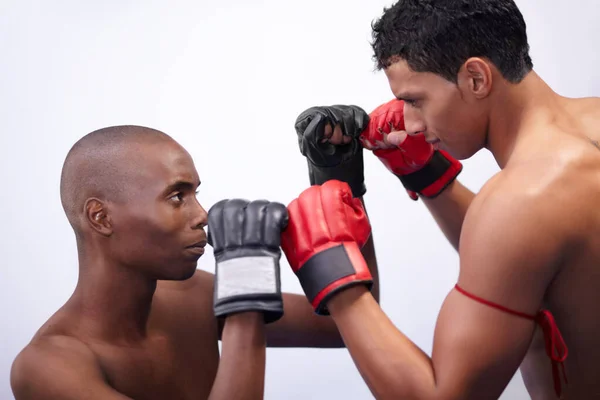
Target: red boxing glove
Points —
{"points": [[420, 167], [326, 230]]}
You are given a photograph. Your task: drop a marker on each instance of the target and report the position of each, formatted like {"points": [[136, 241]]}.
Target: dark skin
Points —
{"points": [[140, 322]]}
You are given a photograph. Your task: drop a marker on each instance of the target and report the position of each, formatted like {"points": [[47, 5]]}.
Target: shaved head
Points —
{"points": [[102, 165], [129, 193]]}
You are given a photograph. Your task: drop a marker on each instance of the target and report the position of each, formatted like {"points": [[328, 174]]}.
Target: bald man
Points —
{"points": [[141, 322]]}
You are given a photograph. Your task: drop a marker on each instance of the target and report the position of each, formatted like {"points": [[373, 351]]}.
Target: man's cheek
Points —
{"points": [[159, 225], [168, 222]]}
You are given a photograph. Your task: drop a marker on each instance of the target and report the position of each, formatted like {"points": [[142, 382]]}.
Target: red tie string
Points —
{"points": [[556, 347]]}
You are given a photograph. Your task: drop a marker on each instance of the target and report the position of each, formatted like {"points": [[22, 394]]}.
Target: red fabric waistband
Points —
{"points": [[556, 347]]}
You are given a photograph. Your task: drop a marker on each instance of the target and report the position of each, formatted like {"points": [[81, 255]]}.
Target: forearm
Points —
{"points": [[392, 366], [241, 373], [368, 252], [300, 326], [449, 209]]}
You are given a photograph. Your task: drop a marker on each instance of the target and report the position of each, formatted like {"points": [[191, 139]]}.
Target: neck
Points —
{"points": [[113, 301], [513, 109]]}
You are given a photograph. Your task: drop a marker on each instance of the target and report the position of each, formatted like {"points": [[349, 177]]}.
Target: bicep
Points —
{"points": [[301, 327], [508, 257], [477, 349], [44, 374]]}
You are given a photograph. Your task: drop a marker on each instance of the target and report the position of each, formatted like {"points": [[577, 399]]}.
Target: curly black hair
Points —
{"points": [[438, 36]]}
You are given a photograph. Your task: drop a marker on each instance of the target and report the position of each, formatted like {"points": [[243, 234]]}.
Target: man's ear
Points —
{"points": [[96, 215], [475, 78]]}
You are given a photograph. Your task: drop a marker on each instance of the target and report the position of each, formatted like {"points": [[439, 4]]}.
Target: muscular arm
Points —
{"points": [[62, 369], [301, 327], [508, 256], [241, 373], [449, 210]]}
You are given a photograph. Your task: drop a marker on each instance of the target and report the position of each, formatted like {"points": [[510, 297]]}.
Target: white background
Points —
{"points": [[227, 80]]}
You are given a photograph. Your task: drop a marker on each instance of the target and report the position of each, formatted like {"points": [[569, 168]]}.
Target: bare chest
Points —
{"points": [[161, 368]]}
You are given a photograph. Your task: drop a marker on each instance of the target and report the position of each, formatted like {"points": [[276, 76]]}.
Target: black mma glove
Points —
{"points": [[245, 237], [327, 161]]}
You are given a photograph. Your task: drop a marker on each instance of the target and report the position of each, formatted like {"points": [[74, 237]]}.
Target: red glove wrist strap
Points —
{"points": [[328, 271], [428, 175]]}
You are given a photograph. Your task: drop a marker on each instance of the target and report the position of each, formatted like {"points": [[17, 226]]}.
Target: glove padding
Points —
{"points": [[420, 167], [327, 229], [245, 237], [327, 161]]}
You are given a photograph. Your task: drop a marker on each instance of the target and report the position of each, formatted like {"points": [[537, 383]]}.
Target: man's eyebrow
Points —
{"points": [[406, 95], [181, 185]]}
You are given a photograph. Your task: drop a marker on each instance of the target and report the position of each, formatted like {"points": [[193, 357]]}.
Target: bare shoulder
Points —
{"points": [[511, 244], [586, 109], [554, 172], [48, 348], [514, 225], [582, 122], [529, 196], [50, 366]]}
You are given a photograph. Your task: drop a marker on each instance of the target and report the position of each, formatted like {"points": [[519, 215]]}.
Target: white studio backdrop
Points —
{"points": [[227, 80]]}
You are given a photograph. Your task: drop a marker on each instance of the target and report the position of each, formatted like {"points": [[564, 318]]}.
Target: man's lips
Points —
{"points": [[197, 248], [435, 143], [200, 243]]}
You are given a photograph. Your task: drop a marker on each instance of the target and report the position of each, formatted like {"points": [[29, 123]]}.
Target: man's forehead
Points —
{"points": [[404, 82], [176, 161], [166, 162]]}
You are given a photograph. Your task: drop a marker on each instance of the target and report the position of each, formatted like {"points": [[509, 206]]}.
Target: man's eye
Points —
{"points": [[178, 197]]}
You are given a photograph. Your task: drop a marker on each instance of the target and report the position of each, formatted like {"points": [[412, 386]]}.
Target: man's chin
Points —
{"points": [[457, 154], [181, 274], [188, 274]]}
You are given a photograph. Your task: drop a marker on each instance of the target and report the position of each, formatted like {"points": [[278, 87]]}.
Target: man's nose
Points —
{"points": [[200, 217], [413, 122]]}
